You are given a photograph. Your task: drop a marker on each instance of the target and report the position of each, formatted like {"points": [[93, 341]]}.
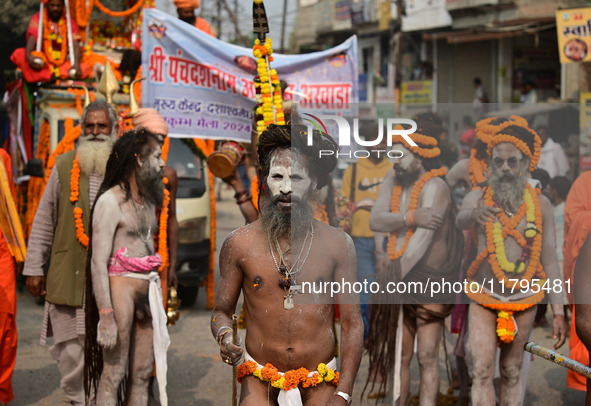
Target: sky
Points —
{"points": [[274, 10]]}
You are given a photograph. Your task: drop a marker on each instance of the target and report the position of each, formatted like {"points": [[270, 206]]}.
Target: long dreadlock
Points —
{"points": [[121, 165]]}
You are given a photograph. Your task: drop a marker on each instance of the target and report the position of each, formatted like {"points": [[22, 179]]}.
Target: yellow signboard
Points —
{"points": [[573, 27], [417, 92]]}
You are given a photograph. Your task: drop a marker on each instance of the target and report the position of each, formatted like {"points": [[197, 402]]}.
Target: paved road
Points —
{"points": [[196, 374]]}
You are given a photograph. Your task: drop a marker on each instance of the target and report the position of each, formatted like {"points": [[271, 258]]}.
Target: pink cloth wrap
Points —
{"points": [[151, 120], [121, 263]]}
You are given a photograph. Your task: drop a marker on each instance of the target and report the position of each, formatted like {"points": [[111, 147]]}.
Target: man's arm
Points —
{"points": [[351, 321], [226, 296], [550, 265], [172, 227], [472, 212], [41, 237], [77, 58], [437, 197], [458, 174], [105, 220], [246, 205], [29, 48], [382, 219]]}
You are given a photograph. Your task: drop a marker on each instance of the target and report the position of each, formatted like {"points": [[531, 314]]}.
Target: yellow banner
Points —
{"points": [[417, 92], [573, 27], [585, 135]]}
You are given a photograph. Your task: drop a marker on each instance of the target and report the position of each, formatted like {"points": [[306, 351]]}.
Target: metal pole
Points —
{"points": [[234, 368], [219, 18], [39, 42], [72, 72], [558, 359], [283, 26], [398, 56]]}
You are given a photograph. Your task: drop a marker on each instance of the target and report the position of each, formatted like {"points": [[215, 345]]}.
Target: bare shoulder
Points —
{"points": [[437, 184], [242, 237], [332, 238], [438, 188], [111, 199]]}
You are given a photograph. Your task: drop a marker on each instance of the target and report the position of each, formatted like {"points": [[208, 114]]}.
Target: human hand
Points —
{"points": [[381, 261], [233, 179], [229, 352], [172, 278], [559, 329], [78, 70], [35, 62], [107, 331], [36, 285], [484, 214], [426, 217]]}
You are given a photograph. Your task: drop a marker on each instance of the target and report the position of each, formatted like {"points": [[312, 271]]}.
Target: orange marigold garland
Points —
{"points": [[53, 56], [74, 194], [412, 206], [531, 244], [36, 185], [290, 379], [125, 13], [427, 146], [66, 144], [163, 223]]}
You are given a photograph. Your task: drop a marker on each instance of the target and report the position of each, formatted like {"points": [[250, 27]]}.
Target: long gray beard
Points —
{"points": [[278, 224], [508, 192], [151, 185], [93, 156]]}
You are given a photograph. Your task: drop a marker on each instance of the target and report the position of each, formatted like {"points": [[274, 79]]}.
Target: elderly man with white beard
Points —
{"points": [[516, 265], [59, 238]]}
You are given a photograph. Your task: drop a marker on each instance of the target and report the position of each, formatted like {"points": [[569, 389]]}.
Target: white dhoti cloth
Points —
{"points": [[161, 338], [292, 397]]}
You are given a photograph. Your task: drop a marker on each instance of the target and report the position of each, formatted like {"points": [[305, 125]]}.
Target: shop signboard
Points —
{"points": [[573, 27]]}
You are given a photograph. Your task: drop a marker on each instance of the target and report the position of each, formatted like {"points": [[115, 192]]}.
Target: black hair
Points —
{"points": [[522, 134], [561, 184], [294, 137], [477, 81], [122, 161], [541, 175]]}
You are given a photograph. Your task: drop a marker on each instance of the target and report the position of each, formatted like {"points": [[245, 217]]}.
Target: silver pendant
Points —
{"points": [[288, 302]]}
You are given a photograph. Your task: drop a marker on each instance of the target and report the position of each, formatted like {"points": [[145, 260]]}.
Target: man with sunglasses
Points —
{"points": [[516, 265]]}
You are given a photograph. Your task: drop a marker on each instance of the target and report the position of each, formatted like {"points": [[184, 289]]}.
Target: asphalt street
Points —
{"points": [[196, 375]]}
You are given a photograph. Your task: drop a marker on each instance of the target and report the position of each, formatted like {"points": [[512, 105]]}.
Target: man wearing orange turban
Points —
{"points": [[186, 12]]}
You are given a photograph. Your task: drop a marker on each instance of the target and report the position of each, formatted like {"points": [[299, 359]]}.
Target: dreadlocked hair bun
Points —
{"points": [[429, 123], [295, 138]]}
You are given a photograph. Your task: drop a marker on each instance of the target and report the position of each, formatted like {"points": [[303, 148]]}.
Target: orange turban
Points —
{"points": [[187, 3], [151, 120]]}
